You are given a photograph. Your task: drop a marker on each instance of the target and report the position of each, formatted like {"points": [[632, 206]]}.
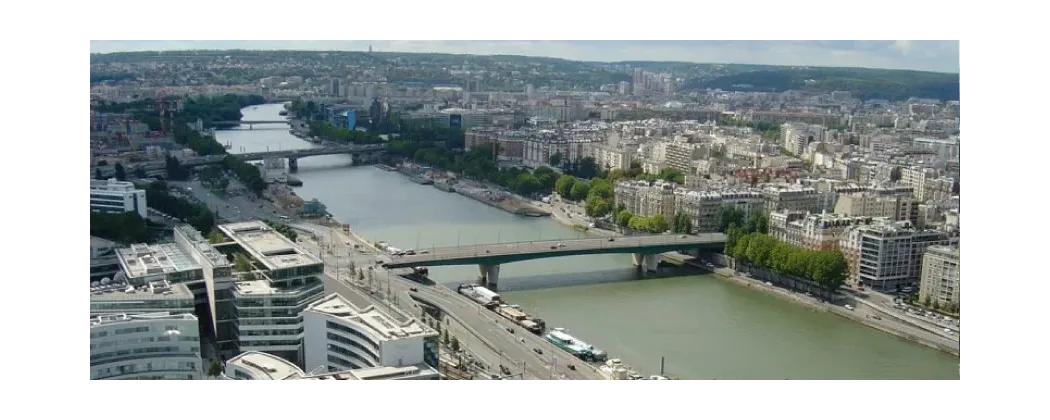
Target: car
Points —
{"points": [[848, 307], [561, 245], [572, 367], [684, 236], [537, 350], [612, 239], [510, 330], [413, 289], [554, 247]]}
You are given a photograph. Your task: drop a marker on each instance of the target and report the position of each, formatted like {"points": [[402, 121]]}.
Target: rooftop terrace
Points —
{"points": [[267, 246]]}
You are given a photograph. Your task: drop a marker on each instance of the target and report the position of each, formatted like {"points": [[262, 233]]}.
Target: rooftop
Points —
{"points": [[383, 325], [264, 366], [109, 319], [111, 290], [158, 259], [111, 185], [375, 373], [267, 246], [202, 246]]}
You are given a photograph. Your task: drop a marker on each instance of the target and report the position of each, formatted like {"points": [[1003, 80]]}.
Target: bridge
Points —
{"points": [[252, 123], [294, 154], [488, 257]]}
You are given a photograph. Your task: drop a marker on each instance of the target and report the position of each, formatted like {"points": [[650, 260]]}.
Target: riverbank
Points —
{"points": [[859, 315]]}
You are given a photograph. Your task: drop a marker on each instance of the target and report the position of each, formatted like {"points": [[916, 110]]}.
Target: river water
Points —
{"points": [[705, 328]]}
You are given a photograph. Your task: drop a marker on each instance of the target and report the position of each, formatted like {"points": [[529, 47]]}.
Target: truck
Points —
{"points": [[479, 294]]}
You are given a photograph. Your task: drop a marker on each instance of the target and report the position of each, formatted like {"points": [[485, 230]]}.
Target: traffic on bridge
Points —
{"points": [[501, 253]]}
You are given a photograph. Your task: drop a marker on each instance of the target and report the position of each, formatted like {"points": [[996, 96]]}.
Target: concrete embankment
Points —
{"points": [[727, 274]]}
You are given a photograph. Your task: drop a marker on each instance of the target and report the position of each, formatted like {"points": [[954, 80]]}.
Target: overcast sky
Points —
{"points": [[940, 56]]}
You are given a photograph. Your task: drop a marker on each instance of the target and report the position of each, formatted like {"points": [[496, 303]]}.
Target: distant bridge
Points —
{"points": [[351, 149]]}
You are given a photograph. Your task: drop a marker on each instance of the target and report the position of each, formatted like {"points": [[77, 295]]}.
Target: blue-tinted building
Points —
{"points": [[351, 119]]}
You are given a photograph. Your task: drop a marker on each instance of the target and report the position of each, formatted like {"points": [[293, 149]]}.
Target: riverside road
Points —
{"points": [[481, 331], [705, 327]]}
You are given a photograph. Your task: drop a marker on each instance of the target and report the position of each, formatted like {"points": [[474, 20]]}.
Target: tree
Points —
{"points": [[758, 222], [215, 369], [926, 301], [242, 263], [124, 228], [596, 206], [623, 218], [98, 173], [658, 224], [455, 344], [118, 172], [555, 159], [895, 174], [444, 337], [579, 190], [729, 216], [216, 237], [564, 186], [360, 274]]}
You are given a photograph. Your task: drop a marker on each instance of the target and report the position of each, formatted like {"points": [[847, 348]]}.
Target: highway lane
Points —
{"points": [[480, 329], [566, 245]]}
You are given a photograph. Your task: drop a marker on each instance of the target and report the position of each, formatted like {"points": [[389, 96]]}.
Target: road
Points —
{"points": [[450, 255], [479, 329], [238, 204]]}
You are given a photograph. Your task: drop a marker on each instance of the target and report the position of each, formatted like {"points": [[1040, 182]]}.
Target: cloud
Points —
{"points": [[911, 55]]}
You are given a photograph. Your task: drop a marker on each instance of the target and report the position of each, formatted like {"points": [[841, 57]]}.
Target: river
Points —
{"points": [[705, 328]]}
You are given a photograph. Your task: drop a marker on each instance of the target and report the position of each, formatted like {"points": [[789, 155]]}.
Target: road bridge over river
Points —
{"points": [[488, 257]]}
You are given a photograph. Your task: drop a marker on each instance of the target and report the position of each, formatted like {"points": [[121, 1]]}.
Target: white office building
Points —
{"points": [[112, 196], [269, 301], [258, 366], [145, 346], [341, 336]]}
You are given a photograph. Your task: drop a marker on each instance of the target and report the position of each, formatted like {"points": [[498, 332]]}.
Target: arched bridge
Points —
{"points": [[488, 257]]}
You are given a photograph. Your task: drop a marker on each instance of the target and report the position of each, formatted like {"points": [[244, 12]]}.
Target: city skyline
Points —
{"points": [[937, 56]]}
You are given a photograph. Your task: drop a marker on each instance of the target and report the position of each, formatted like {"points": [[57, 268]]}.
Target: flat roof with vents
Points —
{"points": [[149, 260], [267, 246], [382, 325]]}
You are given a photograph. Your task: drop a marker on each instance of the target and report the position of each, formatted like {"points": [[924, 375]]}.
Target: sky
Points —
{"points": [[941, 56]]}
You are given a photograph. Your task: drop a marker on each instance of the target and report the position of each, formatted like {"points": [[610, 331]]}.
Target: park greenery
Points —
{"points": [[332, 132], [865, 84], [199, 216], [748, 242], [598, 194], [124, 228]]}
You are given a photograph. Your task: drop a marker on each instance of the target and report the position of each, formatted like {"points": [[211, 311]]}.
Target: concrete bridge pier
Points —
{"points": [[293, 165], [647, 262], [490, 276]]}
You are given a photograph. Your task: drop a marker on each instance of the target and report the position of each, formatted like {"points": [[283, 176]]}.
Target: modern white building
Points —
{"points": [[341, 336], [217, 273], [269, 300], [116, 296], [114, 196], [145, 346], [258, 366]]}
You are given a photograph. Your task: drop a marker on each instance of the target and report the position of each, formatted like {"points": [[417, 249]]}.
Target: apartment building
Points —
{"points": [[614, 157], [816, 232], [259, 366], [704, 208], [871, 204], [939, 281], [680, 156], [796, 137], [796, 199], [886, 254], [112, 196], [917, 177], [645, 198], [145, 346], [270, 300], [343, 336]]}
